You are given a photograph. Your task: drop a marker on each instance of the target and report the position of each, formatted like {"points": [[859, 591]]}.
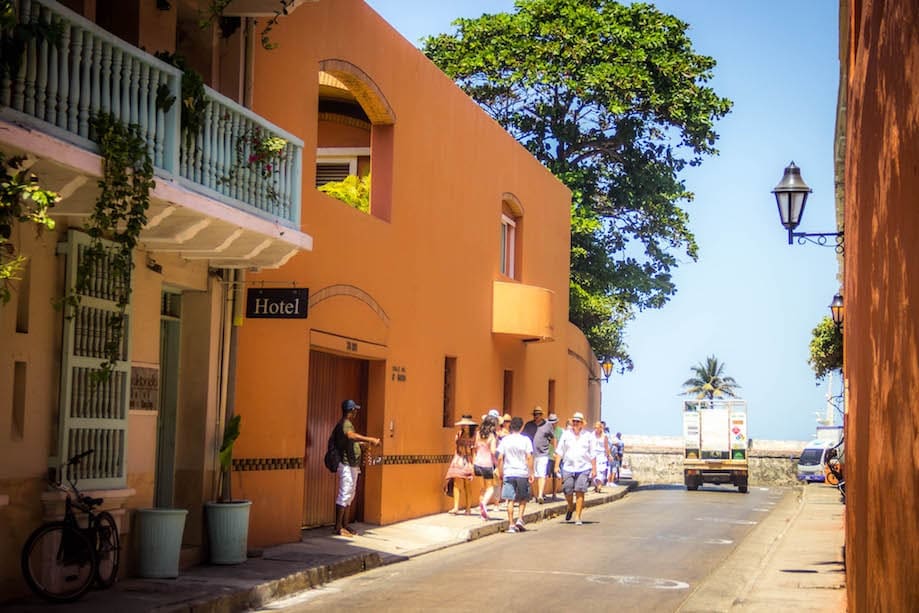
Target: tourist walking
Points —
{"points": [[602, 454], [618, 448], [543, 436], [486, 449], [461, 466], [515, 463], [577, 465], [557, 432], [348, 442]]}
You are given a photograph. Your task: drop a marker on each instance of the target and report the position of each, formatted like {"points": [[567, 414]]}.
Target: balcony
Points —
{"points": [[522, 311], [208, 203]]}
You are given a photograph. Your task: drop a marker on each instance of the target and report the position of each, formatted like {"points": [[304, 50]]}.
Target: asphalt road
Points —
{"points": [[646, 552]]}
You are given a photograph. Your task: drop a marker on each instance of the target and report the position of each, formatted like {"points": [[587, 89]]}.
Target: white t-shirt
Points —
{"points": [[577, 451], [515, 448]]}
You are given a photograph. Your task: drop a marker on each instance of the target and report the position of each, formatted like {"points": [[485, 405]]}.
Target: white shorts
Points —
{"points": [[541, 465], [347, 484]]}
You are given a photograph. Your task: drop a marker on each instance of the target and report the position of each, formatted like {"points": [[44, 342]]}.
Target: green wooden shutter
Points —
{"points": [[93, 413]]}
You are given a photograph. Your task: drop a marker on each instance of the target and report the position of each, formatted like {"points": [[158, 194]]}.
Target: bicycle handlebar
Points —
{"points": [[76, 459]]}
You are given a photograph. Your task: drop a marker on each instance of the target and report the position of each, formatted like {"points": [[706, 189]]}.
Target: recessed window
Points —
{"points": [[449, 391], [508, 404], [508, 246]]}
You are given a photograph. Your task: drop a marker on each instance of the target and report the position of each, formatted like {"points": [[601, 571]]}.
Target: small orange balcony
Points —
{"points": [[523, 311]]}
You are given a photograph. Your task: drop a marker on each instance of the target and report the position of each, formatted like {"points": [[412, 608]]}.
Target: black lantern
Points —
{"points": [[837, 310], [607, 366], [791, 196]]}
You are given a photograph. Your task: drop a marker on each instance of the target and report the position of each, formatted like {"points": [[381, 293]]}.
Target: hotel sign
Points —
{"points": [[277, 303]]}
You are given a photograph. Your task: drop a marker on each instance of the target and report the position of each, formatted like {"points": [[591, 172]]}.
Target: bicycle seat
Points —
{"points": [[91, 502]]}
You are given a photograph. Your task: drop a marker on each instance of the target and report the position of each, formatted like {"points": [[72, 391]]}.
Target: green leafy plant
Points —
{"points": [[119, 216], [194, 97], [22, 200], [260, 152], [225, 457], [352, 190], [825, 348]]}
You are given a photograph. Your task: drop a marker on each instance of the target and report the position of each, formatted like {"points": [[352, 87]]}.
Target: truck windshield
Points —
{"points": [[810, 457]]}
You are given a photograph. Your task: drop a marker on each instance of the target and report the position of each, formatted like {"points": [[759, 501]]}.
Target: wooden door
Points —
{"points": [[333, 379]]}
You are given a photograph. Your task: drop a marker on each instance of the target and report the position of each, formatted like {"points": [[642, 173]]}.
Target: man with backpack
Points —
{"points": [[348, 443]]}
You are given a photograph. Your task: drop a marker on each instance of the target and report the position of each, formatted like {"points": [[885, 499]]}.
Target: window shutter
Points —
{"points": [[328, 173], [93, 413]]}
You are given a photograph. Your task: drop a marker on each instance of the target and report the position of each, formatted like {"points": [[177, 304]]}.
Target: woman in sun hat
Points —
{"points": [[461, 467]]}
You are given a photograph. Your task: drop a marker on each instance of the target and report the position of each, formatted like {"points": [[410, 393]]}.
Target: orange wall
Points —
{"points": [[882, 308], [429, 272]]}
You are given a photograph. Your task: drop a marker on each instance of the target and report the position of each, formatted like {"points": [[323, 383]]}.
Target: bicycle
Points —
{"points": [[61, 559]]}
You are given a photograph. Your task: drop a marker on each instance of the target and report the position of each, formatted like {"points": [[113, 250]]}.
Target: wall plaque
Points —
{"points": [[145, 388]]}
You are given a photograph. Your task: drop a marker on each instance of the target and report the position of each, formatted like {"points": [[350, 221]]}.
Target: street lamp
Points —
{"points": [[837, 310], [791, 195], [607, 366]]}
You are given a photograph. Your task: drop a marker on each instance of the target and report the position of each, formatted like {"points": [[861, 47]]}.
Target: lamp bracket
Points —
{"points": [[819, 238]]}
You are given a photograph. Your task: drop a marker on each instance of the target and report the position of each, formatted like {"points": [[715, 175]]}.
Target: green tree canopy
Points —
{"points": [[709, 381], [825, 348], [613, 100]]}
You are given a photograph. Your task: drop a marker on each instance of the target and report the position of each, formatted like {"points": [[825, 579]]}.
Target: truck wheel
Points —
{"points": [[742, 489], [692, 487]]}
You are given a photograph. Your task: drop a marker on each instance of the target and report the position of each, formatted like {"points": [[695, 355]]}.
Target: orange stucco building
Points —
{"points": [[878, 146], [449, 297]]}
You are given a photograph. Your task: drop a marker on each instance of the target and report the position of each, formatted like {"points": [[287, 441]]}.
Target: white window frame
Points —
{"points": [[508, 245], [326, 156]]}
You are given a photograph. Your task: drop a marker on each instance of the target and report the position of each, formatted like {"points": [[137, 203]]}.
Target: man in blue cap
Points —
{"points": [[348, 442]]}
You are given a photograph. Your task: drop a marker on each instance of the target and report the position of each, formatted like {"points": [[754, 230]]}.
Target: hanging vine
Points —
{"points": [[119, 216], [214, 12]]}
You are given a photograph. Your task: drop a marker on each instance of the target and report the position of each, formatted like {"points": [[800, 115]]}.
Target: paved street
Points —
{"points": [[646, 552]]}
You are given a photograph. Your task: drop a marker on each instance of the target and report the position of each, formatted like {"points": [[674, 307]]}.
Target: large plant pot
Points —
{"points": [[160, 542], [228, 530]]}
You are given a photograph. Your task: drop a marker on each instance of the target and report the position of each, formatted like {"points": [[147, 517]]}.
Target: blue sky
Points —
{"points": [[750, 299]]}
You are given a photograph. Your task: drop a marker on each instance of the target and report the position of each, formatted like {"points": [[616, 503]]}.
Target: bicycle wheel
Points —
{"points": [[108, 549], [58, 562]]}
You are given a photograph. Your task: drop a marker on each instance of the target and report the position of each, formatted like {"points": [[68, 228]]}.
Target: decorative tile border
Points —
{"points": [[249, 464], [417, 459]]}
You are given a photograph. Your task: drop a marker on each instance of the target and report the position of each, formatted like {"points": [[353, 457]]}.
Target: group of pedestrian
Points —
{"points": [[500, 448], [524, 458]]}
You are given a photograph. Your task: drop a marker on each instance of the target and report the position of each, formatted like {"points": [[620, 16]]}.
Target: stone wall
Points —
{"points": [[659, 459]]}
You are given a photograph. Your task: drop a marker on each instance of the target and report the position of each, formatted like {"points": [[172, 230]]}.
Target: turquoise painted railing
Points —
{"points": [[231, 156], [92, 71]]}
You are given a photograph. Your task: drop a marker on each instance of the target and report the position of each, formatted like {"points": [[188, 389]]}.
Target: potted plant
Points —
{"points": [[227, 519]]}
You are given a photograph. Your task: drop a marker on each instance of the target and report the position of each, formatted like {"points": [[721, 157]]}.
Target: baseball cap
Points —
{"points": [[537, 410], [553, 418], [349, 405], [577, 416]]}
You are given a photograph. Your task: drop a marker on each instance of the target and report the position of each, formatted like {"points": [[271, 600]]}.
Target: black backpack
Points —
{"points": [[333, 455]]}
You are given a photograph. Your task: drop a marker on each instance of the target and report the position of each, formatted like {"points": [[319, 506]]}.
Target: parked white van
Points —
{"points": [[813, 459]]}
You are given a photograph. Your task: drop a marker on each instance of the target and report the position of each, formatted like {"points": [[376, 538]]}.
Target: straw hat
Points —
{"points": [[578, 416], [466, 421], [507, 417], [552, 418]]}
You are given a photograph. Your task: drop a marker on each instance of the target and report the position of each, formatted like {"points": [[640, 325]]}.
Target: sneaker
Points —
{"points": [[519, 526], [540, 500], [511, 529], [483, 511], [579, 523], [568, 515]]}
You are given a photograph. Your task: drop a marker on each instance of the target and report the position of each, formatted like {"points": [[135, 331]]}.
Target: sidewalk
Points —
{"points": [[791, 561], [290, 568]]}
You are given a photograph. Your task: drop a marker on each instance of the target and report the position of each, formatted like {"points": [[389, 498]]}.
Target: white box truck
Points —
{"points": [[715, 443]]}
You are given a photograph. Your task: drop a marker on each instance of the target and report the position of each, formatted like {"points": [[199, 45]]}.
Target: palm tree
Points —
{"points": [[708, 381]]}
